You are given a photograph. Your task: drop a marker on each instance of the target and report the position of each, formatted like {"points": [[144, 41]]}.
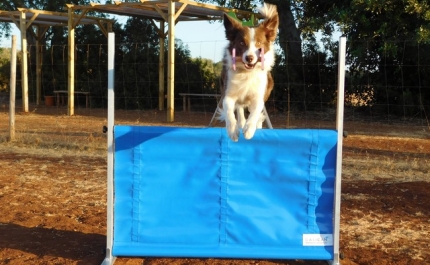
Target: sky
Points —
{"points": [[203, 39]]}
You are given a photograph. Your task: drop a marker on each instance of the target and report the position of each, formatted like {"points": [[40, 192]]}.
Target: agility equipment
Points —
{"points": [[192, 192]]}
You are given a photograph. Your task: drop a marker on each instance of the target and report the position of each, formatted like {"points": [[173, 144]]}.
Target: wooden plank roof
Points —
{"points": [[47, 18], [157, 10]]}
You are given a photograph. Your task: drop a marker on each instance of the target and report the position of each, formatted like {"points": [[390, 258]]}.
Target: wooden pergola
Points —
{"points": [[163, 11], [158, 11], [42, 21]]}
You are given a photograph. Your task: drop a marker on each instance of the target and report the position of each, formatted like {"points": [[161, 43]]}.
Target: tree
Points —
{"points": [[136, 59], [384, 37], [389, 41]]}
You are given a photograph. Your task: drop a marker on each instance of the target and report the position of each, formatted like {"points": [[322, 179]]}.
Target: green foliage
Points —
{"points": [[4, 69], [388, 42], [315, 88], [388, 47], [195, 75]]}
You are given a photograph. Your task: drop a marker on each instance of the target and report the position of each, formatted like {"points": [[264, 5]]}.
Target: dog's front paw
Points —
{"points": [[249, 131], [233, 132], [233, 136]]}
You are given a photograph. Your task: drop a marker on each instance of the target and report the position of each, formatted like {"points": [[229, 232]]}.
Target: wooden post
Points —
{"points": [[71, 65], [24, 70], [109, 28], [38, 66], [162, 36], [12, 90], [171, 63]]}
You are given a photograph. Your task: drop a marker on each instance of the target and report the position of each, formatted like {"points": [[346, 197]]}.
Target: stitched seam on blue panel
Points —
{"points": [[223, 188], [135, 194], [312, 196]]}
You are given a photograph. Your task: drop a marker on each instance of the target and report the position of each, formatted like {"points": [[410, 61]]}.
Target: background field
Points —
{"points": [[53, 188]]}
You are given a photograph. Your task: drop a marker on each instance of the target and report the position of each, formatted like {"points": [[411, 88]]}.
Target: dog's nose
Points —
{"points": [[249, 58]]}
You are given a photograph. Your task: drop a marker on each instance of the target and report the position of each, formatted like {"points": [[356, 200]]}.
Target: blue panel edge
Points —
{"points": [[256, 252]]}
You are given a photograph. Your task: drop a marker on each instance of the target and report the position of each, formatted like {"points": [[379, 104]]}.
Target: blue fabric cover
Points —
{"points": [[192, 192]]}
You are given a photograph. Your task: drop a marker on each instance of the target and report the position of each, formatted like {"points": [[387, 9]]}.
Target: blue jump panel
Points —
{"points": [[192, 192]]}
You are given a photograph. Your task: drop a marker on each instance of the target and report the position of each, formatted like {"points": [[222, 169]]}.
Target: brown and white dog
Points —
{"points": [[246, 79]]}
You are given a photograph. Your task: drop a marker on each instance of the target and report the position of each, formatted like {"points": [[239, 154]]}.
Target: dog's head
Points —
{"points": [[248, 45]]}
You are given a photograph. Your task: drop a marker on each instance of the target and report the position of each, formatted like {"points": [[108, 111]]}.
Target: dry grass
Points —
{"points": [[54, 135], [387, 168], [373, 230], [377, 161]]}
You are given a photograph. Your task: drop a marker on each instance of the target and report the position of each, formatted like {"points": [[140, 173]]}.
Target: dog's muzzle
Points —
{"points": [[249, 58]]}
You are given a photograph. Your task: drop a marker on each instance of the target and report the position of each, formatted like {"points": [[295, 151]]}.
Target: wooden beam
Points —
{"points": [[160, 12], [79, 17], [17, 23], [153, 2], [12, 91], [178, 13], [171, 63], [219, 8], [162, 39], [41, 32], [33, 18], [103, 29]]}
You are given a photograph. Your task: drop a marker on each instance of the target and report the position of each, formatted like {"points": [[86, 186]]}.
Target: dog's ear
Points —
{"points": [[270, 26], [232, 26]]}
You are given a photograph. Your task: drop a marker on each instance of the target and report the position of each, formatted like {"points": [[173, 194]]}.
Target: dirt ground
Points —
{"points": [[53, 189]]}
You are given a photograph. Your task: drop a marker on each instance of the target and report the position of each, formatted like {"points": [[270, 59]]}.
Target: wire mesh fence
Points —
{"points": [[388, 86]]}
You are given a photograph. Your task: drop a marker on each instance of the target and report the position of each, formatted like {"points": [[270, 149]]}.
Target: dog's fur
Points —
{"points": [[248, 83]]}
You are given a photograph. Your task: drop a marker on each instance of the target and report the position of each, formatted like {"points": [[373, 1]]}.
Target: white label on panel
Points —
{"points": [[317, 239]]}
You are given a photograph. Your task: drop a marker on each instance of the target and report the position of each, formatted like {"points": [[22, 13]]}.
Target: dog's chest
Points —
{"points": [[246, 86]]}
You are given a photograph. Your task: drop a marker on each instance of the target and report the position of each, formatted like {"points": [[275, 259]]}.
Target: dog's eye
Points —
{"points": [[258, 43], [242, 43]]}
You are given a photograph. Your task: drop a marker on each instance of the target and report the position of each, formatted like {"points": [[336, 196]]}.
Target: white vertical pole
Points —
{"points": [[71, 65], [24, 65], [339, 128], [110, 259], [12, 91]]}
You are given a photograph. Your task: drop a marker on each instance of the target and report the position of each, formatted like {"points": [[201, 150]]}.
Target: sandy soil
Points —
{"points": [[53, 190]]}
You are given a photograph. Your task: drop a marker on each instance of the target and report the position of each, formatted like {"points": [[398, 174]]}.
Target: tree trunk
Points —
{"points": [[289, 34]]}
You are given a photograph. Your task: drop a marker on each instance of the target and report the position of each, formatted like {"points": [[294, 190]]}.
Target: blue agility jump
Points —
{"points": [[192, 192]]}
